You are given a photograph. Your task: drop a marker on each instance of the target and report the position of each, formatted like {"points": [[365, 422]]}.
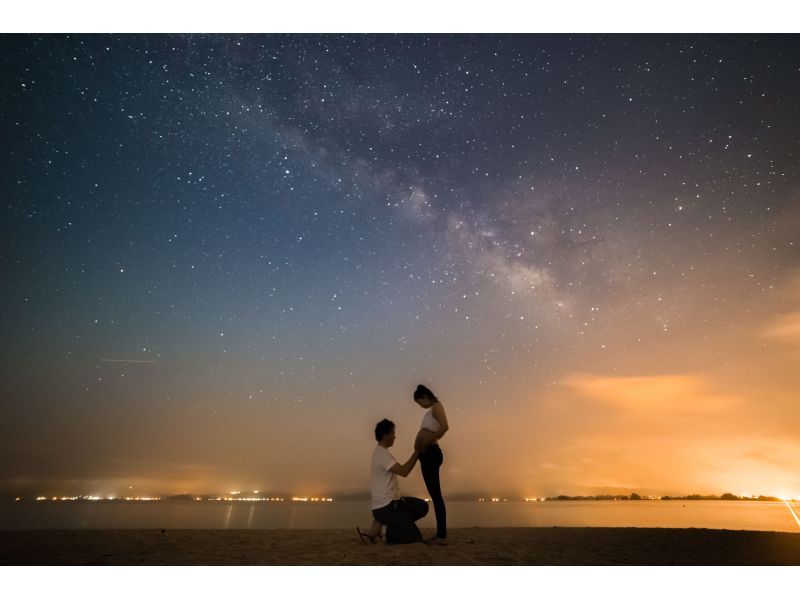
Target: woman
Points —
{"points": [[433, 427]]}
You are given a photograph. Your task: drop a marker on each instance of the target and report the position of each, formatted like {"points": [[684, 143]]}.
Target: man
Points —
{"points": [[397, 513]]}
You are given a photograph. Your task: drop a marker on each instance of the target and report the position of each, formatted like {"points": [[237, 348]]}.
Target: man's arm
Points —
{"points": [[405, 469]]}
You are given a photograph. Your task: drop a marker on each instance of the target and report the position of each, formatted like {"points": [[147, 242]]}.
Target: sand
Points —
{"points": [[466, 546]]}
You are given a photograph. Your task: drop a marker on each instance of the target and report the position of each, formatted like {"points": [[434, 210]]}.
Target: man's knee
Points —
{"points": [[417, 507]]}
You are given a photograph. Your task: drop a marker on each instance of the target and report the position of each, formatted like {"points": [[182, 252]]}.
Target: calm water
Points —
{"points": [[344, 514]]}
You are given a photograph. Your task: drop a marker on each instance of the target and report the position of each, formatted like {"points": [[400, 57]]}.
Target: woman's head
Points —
{"points": [[424, 396]]}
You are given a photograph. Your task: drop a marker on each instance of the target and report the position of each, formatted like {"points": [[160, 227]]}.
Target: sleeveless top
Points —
{"points": [[429, 422]]}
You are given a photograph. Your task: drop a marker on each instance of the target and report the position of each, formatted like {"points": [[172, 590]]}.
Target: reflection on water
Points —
{"points": [[773, 516], [792, 511]]}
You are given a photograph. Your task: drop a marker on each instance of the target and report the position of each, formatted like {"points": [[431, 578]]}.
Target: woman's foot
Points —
{"points": [[436, 541]]}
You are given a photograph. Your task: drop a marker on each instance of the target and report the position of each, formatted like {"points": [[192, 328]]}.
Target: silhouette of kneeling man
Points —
{"points": [[398, 513]]}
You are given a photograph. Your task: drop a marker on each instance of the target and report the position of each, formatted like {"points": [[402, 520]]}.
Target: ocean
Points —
{"points": [[766, 516]]}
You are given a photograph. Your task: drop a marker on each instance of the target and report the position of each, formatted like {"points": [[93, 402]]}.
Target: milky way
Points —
{"points": [[225, 257]]}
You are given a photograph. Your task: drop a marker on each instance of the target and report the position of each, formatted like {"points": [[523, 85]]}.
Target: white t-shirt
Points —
{"points": [[384, 488]]}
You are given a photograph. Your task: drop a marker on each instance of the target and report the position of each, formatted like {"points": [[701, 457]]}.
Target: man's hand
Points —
{"points": [[424, 439]]}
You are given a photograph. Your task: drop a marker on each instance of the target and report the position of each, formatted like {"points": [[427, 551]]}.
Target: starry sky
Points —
{"points": [[223, 258]]}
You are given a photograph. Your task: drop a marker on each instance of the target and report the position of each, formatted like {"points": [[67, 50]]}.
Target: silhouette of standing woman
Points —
{"points": [[433, 427]]}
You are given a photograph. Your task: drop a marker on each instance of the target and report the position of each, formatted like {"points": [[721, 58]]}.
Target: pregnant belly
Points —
{"points": [[423, 439]]}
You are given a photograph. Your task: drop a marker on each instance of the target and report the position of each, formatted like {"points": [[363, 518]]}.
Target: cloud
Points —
{"points": [[774, 453], [785, 327], [756, 464], [652, 394], [679, 432], [784, 324]]}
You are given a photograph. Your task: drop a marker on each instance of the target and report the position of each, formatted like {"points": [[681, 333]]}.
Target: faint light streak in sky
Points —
{"points": [[143, 361]]}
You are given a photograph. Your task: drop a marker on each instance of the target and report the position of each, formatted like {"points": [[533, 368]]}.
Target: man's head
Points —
{"points": [[384, 432]]}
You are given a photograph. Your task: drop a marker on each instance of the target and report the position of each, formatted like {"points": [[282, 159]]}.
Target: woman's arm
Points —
{"points": [[440, 416]]}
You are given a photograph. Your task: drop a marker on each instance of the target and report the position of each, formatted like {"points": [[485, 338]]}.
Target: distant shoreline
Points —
{"points": [[287, 498]]}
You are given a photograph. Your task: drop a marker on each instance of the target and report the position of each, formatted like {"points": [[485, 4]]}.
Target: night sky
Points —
{"points": [[224, 258]]}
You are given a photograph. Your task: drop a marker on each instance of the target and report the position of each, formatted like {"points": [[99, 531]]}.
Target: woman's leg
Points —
{"points": [[431, 461]]}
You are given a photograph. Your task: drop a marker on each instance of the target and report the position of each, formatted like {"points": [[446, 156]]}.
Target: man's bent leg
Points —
{"points": [[399, 521], [417, 507]]}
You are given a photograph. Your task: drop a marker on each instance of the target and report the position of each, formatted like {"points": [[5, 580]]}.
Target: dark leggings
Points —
{"points": [[430, 461]]}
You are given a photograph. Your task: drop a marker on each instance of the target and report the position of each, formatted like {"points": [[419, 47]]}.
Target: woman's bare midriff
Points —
{"points": [[424, 438]]}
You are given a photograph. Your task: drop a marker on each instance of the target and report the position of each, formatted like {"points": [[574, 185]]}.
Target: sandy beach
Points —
{"points": [[466, 546]]}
